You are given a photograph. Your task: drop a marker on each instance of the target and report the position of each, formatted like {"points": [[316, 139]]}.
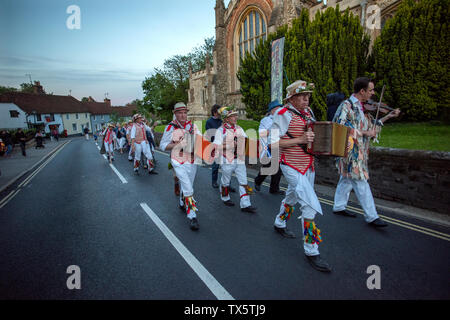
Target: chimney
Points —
{"points": [[107, 101], [37, 88]]}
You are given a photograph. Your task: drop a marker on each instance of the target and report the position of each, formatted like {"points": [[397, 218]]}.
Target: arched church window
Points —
{"points": [[252, 30]]}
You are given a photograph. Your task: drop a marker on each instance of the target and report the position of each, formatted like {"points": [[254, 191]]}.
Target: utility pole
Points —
{"points": [[29, 75]]}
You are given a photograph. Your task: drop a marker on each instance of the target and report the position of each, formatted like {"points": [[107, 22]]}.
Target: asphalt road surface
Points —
{"points": [[129, 239]]}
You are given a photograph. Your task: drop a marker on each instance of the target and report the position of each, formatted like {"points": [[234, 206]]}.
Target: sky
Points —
{"points": [[118, 44]]}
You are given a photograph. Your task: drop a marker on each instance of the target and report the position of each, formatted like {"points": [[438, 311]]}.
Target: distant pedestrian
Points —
{"points": [[21, 138], [7, 140], [55, 134], [86, 132]]}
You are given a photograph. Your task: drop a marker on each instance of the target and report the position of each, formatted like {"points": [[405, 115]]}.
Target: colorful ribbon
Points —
{"points": [[311, 232]]}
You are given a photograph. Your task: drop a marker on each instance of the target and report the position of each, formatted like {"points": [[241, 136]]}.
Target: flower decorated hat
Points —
{"points": [[299, 86], [226, 112]]}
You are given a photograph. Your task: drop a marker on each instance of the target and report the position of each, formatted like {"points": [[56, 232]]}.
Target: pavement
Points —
{"points": [[130, 240], [16, 165]]}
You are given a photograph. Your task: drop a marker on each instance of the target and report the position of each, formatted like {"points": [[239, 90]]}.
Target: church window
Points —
{"points": [[252, 30]]}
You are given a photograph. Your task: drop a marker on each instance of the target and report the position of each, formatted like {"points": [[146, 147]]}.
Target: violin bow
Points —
{"points": [[379, 103]]}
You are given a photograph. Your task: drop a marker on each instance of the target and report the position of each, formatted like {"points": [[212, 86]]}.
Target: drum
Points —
{"points": [[330, 139]]}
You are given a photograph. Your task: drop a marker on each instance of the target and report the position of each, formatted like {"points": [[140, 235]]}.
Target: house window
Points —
{"points": [[14, 113], [38, 117], [76, 116], [67, 116], [102, 117], [74, 126], [93, 118], [85, 115], [52, 117]]}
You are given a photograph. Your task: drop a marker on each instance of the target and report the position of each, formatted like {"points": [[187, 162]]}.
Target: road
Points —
{"points": [[130, 241]]}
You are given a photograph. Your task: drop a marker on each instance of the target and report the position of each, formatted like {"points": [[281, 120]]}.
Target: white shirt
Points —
{"points": [[167, 137], [264, 132]]}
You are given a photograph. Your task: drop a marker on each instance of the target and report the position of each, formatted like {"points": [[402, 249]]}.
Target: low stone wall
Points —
{"points": [[417, 178]]}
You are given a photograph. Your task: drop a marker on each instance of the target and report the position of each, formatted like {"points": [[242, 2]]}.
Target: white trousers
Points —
{"points": [[130, 154], [363, 193], [300, 190], [121, 142], [87, 136], [109, 147], [186, 175], [143, 147], [241, 174]]}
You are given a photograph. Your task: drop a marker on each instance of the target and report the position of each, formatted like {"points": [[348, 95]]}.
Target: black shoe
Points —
{"points": [[345, 213], [215, 185], [378, 223], [194, 224], [249, 209], [285, 232], [318, 263], [229, 203], [152, 172], [278, 192], [231, 189], [182, 208], [257, 187]]}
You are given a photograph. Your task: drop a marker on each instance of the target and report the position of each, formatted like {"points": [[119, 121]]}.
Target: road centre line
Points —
{"points": [[208, 279], [9, 199], [28, 179]]}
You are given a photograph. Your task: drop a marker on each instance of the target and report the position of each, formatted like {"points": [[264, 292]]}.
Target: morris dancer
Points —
{"points": [[264, 130], [289, 129], [227, 137], [353, 169], [109, 136], [139, 144], [182, 159], [128, 136]]}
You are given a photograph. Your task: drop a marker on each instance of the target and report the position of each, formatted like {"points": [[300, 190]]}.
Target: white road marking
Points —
{"points": [[207, 278], [118, 173], [9, 199]]}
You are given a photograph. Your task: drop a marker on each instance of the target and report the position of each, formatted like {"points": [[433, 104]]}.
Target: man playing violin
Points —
{"points": [[353, 168]]}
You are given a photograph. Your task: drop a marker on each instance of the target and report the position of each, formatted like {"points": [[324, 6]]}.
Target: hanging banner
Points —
{"points": [[276, 83]]}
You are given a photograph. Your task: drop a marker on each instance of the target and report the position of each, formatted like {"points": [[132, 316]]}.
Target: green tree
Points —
{"points": [[169, 84], [7, 89], [411, 57], [331, 51]]}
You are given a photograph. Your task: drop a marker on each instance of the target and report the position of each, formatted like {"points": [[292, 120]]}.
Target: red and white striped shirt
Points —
{"points": [[294, 156]]}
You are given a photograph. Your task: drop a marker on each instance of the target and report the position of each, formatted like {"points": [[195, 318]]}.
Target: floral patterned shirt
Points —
{"points": [[351, 114]]}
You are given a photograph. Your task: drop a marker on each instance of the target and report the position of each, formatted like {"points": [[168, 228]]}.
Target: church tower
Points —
{"points": [[220, 52]]}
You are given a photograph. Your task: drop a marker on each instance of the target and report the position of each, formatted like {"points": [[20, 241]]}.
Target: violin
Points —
{"points": [[372, 105]]}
